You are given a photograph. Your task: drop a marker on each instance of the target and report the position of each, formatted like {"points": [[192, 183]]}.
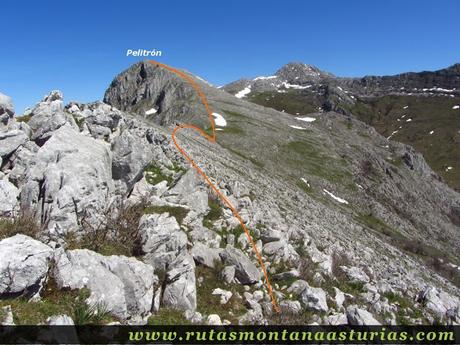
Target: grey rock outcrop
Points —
{"points": [[161, 240], [10, 141], [205, 256], [8, 318], [180, 290], [6, 109], [245, 271], [190, 191], [71, 180], [24, 264], [124, 286], [314, 299], [360, 317], [48, 116], [9, 195], [60, 320]]}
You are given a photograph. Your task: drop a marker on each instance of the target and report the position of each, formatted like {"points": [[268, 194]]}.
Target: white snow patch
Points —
{"points": [[294, 86], [406, 107], [265, 78], [456, 107], [393, 133], [409, 120], [219, 120], [297, 127], [431, 132], [305, 181], [243, 92], [449, 168], [151, 111], [336, 198], [306, 119]]}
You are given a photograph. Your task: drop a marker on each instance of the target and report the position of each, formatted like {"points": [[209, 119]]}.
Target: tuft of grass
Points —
{"points": [[84, 314], [214, 213], [175, 211], [113, 235], [166, 316], [25, 118], [154, 175], [56, 302], [23, 224], [209, 303]]}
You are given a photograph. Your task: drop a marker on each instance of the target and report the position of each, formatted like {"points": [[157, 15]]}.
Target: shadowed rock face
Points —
{"points": [[153, 92]]}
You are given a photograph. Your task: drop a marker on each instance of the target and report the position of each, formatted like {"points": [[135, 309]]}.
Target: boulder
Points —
{"points": [[322, 260], [48, 116], [161, 239], [205, 256], [180, 289], [224, 295], [8, 318], [190, 191], [214, 320], [6, 109], [438, 301], [336, 320], [9, 195], [245, 271], [24, 264], [11, 140], [355, 274], [360, 317], [60, 320], [314, 299], [71, 179], [124, 286], [291, 307], [132, 153]]}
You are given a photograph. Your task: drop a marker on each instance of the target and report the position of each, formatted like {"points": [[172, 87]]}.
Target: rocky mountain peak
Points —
{"points": [[300, 72], [154, 92]]}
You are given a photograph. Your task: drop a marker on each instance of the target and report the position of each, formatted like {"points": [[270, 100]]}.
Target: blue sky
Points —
{"points": [[79, 46]]}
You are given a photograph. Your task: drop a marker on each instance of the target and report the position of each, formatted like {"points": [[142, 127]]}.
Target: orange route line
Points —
{"points": [[212, 138]]}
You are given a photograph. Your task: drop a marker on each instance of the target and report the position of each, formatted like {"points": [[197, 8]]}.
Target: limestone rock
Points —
{"points": [[161, 239], [10, 141], [205, 256], [245, 271], [124, 286], [8, 198], [314, 299], [24, 264], [360, 317], [180, 290], [72, 179]]}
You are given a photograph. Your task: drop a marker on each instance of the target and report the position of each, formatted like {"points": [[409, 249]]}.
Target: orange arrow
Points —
{"points": [[207, 179]]}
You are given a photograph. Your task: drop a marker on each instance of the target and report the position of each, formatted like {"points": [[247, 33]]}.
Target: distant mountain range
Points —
{"points": [[421, 109]]}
